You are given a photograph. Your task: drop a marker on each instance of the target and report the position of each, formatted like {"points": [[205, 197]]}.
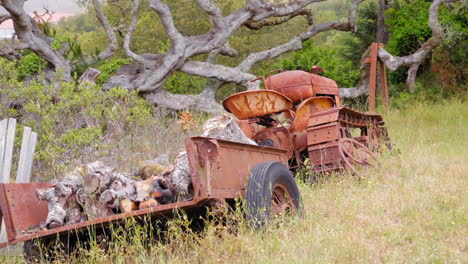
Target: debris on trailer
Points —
{"points": [[158, 166], [94, 190]]}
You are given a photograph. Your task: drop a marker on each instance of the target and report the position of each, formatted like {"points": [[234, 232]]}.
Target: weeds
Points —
{"points": [[413, 209]]}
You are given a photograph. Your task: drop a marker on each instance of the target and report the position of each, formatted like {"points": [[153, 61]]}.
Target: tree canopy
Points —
{"points": [[185, 52]]}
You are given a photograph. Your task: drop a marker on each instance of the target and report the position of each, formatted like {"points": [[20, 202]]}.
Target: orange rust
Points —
{"points": [[251, 104], [309, 107], [300, 85]]}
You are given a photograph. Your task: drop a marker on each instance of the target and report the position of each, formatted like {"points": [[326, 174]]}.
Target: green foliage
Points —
{"points": [[108, 67], [336, 68], [408, 26], [30, 64], [407, 23], [351, 46], [182, 83], [73, 122]]}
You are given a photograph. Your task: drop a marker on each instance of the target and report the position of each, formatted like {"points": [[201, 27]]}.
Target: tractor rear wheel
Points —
{"points": [[356, 156], [271, 191]]}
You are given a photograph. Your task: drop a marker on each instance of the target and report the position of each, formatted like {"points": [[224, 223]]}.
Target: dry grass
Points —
{"points": [[413, 210]]}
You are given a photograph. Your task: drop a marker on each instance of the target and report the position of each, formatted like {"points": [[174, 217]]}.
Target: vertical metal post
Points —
{"points": [[3, 136], [383, 79], [373, 76]]}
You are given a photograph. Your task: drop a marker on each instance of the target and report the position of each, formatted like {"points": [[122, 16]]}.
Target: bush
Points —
{"points": [[74, 123], [182, 83], [30, 64], [108, 67]]}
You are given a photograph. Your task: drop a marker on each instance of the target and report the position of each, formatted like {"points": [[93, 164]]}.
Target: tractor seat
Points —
{"points": [[250, 104]]}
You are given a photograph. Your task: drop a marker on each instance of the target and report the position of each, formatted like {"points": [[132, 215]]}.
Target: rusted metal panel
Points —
{"points": [[226, 165], [324, 117], [280, 136], [20, 206], [160, 210], [296, 85], [299, 140], [309, 107], [324, 154], [194, 159], [323, 85], [251, 104], [322, 134], [300, 85]]}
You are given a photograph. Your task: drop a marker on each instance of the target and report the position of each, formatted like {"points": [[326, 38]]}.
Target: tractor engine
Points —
{"points": [[300, 85]]}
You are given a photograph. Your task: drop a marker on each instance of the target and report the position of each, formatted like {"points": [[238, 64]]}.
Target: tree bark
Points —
{"points": [[382, 32], [33, 38]]}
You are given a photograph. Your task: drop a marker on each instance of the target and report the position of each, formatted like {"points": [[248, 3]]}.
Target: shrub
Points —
{"points": [[182, 83], [74, 123], [108, 67], [30, 64]]}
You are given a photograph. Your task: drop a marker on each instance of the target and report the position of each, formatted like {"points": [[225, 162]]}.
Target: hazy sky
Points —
{"points": [[58, 6], [62, 6]]}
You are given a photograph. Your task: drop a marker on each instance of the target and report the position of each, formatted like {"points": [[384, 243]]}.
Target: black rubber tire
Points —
{"points": [[263, 177]]}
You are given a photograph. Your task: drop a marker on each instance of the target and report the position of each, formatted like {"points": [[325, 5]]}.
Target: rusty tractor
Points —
{"points": [[301, 112]]}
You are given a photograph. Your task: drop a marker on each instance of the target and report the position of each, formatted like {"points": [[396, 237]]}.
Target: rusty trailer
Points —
{"points": [[219, 170]]}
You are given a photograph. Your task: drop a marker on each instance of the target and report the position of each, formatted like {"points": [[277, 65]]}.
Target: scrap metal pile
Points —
{"points": [[95, 190]]}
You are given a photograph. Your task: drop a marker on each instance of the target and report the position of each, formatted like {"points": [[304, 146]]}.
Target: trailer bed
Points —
{"points": [[219, 169]]}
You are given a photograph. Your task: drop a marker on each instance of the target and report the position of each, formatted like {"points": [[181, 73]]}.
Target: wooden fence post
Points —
{"points": [[28, 145]]}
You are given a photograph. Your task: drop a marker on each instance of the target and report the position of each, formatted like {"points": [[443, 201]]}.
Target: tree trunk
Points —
{"points": [[382, 32]]}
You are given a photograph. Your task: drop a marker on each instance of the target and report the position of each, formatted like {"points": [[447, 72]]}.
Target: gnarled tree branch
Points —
{"points": [[32, 37], [216, 42], [417, 58], [113, 45], [3, 18], [214, 12], [128, 36], [273, 21]]}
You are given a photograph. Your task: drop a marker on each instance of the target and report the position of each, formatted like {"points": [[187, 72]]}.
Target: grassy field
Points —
{"points": [[412, 210]]}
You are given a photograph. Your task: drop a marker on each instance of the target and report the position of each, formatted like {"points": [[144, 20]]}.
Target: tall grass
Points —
{"points": [[412, 210]]}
